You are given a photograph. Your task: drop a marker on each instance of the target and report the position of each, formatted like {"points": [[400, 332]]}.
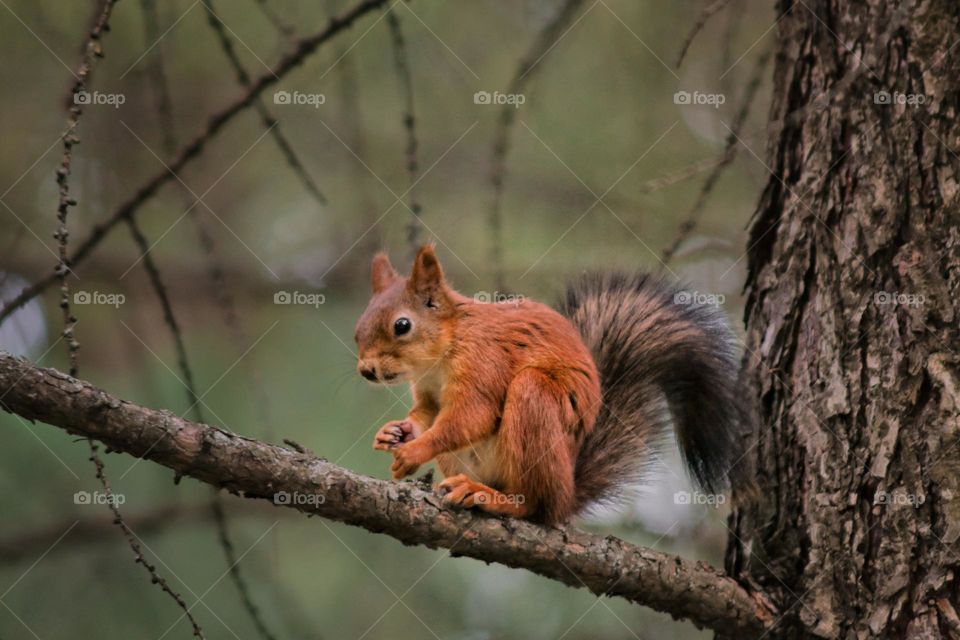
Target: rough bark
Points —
{"points": [[854, 282], [410, 512]]}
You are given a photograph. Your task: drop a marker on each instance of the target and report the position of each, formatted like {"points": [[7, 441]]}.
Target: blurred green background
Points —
{"points": [[598, 111]]}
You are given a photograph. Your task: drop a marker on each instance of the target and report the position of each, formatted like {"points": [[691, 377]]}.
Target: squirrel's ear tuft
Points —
{"points": [[383, 274], [427, 276]]}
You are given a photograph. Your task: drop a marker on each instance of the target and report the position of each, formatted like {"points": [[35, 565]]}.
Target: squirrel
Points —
{"points": [[537, 413]]}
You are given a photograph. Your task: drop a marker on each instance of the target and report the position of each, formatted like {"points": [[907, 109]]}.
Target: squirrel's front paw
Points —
{"points": [[408, 457], [393, 434]]}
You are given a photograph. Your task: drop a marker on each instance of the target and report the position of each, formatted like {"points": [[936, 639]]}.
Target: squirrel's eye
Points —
{"points": [[402, 326]]}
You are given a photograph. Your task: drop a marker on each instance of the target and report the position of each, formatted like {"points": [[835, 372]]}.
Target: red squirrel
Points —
{"points": [[538, 413]]}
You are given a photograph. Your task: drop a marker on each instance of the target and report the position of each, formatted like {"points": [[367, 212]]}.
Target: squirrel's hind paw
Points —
{"points": [[459, 491]]}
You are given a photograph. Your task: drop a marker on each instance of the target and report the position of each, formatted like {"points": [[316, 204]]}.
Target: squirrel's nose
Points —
{"points": [[369, 374]]}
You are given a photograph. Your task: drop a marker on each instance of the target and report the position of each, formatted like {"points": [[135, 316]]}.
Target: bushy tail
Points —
{"points": [[662, 354]]}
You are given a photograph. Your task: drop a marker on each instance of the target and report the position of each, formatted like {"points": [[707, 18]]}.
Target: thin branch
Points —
{"points": [[364, 214], [501, 140], [729, 154], [195, 405], [220, 289], [304, 47], [406, 511], [269, 122], [287, 30], [402, 67], [233, 561], [225, 299], [92, 51], [134, 543], [156, 283], [156, 71], [679, 175], [735, 15], [708, 11]]}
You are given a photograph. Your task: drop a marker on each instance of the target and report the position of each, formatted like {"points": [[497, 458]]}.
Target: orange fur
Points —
{"points": [[503, 392]]}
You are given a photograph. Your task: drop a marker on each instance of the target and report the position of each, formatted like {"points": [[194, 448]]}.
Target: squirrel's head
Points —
{"points": [[404, 330]]}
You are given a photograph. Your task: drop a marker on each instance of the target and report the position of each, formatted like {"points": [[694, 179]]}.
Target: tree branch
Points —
{"points": [[406, 511]]}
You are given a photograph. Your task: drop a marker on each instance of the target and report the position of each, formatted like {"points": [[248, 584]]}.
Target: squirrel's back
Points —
{"points": [[498, 340], [523, 333], [664, 357]]}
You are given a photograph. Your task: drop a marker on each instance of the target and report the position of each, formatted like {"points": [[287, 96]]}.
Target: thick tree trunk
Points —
{"points": [[852, 317]]}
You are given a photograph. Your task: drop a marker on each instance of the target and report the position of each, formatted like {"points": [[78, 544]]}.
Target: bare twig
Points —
{"points": [[406, 511], [155, 577], [501, 140], [222, 294], [734, 15], [729, 154], [304, 47], [92, 51], [156, 71], [676, 177], [269, 122], [234, 564], [156, 282], [708, 11], [402, 66], [355, 135], [219, 518], [287, 30], [225, 300]]}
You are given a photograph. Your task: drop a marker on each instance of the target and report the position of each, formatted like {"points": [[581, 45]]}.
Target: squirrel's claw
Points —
{"points": [[407, 458], [402, 468], [457, 491], [393, 434]]}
